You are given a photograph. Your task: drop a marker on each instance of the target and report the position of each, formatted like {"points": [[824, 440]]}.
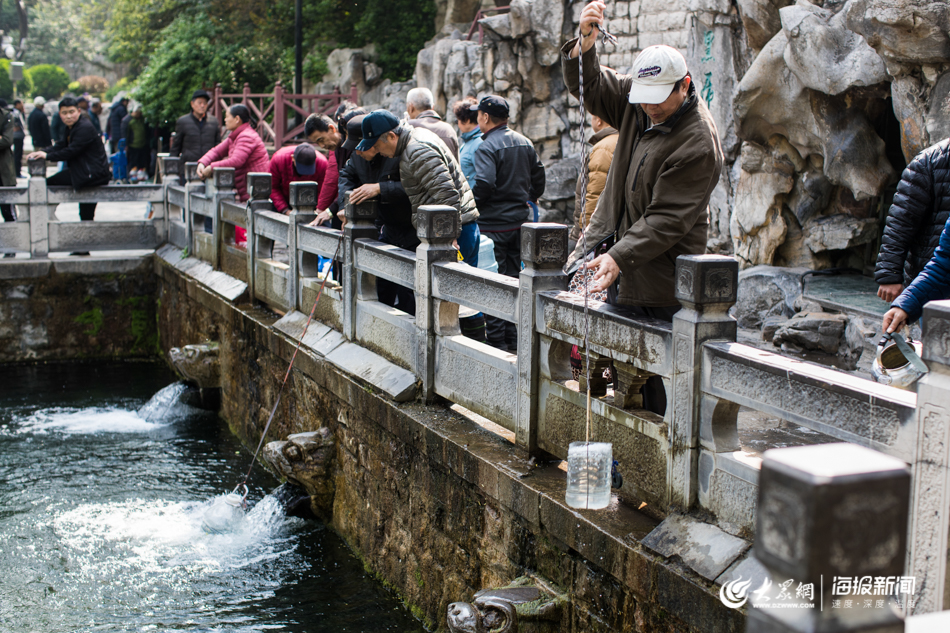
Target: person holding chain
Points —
{"points": [[667, 162]]}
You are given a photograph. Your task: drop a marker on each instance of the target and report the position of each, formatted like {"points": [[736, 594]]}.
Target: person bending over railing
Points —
{"points": [[243, 150], [932, 284]]}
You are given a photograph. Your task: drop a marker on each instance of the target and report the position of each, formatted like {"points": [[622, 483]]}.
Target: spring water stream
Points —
{"points": [[102, 489]]}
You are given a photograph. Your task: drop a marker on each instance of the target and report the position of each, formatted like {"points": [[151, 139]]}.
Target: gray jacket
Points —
{"points": [[508, 173], [192, 141], [431, 120], [430, 175]]}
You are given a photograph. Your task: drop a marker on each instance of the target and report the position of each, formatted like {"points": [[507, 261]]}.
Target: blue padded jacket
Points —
{"points": [[932, 284]]}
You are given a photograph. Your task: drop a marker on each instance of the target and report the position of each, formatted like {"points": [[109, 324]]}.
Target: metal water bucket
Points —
{"points": [[898, 362]]}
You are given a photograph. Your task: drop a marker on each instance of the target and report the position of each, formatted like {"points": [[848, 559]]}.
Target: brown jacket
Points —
{"points": [[431, 121], [659, 183], [598, 164]]}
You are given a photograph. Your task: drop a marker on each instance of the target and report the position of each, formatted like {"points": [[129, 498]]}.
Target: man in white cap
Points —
{"points": [[667, 162]]}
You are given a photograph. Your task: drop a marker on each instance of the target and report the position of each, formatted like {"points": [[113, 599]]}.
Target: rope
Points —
{"points": [[290, 366]]}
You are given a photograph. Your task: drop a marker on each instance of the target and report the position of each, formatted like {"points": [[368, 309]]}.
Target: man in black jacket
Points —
{"points": [[195, 133], [508, 175], [114, 126], [85, 156], [38, 125], [917, 216]]}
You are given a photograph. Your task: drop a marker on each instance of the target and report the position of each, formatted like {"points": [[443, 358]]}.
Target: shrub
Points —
{"points": [[122, 84], [49, 81], [73, 87], [93, 84]]}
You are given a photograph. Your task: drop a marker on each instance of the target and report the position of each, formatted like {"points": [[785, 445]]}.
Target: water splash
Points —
{"points": [[166, 405]]}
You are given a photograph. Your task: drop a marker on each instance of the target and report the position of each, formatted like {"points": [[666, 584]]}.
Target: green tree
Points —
{"points": [[24, 87], [48, 81], [67, 32], [135, 28]]}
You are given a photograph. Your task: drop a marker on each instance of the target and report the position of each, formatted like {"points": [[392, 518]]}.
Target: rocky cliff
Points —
{"points": [[819, 104]]}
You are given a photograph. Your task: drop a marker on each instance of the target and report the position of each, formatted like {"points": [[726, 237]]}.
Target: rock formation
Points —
{"points": [[819, 103]]}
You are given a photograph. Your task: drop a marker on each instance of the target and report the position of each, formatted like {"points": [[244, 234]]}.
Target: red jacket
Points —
{"points": [[244, 150], [328, 191], [282, 173]]}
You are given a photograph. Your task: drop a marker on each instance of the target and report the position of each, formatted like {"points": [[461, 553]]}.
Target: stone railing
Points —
{"points": [[690, 459], [37, 233]]}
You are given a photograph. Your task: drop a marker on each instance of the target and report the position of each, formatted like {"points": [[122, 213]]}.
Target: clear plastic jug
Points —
{"points": [[588, 475], [226, 513]]}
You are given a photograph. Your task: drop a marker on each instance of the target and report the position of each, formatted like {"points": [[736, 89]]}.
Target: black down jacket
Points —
{"points": [[85, 155], [395, 210], [920, 210]]}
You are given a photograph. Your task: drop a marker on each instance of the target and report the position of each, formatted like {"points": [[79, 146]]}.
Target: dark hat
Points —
{"points": [[354, 132], [305, 160], [492, 105], [375, 124], [201, 93], [3, 103]]}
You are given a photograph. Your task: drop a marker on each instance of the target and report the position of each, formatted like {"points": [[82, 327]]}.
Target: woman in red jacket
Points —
{"points": [[243, 150]]}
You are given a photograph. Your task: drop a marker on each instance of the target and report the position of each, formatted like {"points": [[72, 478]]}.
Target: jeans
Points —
{"points": [[468, 243]]}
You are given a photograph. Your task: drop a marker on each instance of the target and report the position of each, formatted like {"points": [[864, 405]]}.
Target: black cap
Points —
{"points": [[492, 105], [354, 132], [305, 160], [201, 93]]}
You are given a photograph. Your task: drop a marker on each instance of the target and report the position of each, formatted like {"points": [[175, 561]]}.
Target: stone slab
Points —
{"points": [[745, 568], [706, 549], [292, 324], [99, 265], [852, 294], [24, 269], [221, 284], [397, 383]]}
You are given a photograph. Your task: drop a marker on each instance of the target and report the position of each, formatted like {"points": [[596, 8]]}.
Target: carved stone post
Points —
{"points": [[436, 226], [258, 188], [220, 187], [303, 205], [706, 288], [171, 170], [39, 209], [543, 251], [192, 184], [831, 530], [359, 224], [930, 518]]}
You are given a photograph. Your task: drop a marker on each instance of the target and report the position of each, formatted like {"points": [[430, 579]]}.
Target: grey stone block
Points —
{"points": [[706, 279], [191, 172], [293, 323], [395, 382], [936, 332], [746, 568], [36, 167], [259, 185], [99, 265], [364, 212], [706, 549], [819, 331], [437, 223], [219, 283], [303, 195], [24, 269], [543, 244], [223, 178]]}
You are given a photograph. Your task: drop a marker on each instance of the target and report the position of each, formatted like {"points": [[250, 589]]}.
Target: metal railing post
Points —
{"points": [[436, 226], [930, 519], [831, 531], [303, 206], [258, 188], [39, 209], [220, 187], [706, 287], [543, 251], [359, 224]]}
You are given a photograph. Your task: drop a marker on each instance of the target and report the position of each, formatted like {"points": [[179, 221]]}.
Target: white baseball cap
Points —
{"points": [[655, 71]]}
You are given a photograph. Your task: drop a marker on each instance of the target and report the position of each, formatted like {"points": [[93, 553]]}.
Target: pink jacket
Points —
{"points": [[244, 151], [282, 174], [328, 188]]}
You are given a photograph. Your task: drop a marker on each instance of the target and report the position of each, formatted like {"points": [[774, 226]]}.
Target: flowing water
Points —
{"points": [[102, 489]]}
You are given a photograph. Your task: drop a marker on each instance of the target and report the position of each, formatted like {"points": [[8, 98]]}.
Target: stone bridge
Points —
{"points": [[448, 475]]}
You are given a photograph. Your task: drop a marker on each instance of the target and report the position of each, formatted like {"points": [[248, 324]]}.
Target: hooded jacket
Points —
{"points": [[84, 153], [244, 151], [431, 175], [658, 186], [597, 167], [916, 220]]}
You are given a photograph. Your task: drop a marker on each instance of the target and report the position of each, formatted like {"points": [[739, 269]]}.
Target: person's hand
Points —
{"points": [[34, 155], [322, 216], [894, 319], [889, 292], [341, 214], [607, 272], [592, 14], [366, 192], [203, 171]]}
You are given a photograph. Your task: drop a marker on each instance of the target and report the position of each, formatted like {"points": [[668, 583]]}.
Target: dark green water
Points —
{"points": [[100, 511]]}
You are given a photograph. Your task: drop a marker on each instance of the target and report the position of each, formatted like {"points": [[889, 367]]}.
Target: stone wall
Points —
{"points": [[819, 104], [77, 309]]}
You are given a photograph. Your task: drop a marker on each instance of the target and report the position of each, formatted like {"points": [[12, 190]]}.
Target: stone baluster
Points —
{"points": [[543, 251], [831, 521], [171, 170], [39, 209], [192, 184], [303, 207], [930, 517], [220, 187], [437, 226], [359, 224], [258, 188], [706, 287]]}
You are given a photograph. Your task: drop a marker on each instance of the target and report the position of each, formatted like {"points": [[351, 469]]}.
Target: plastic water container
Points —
{"points": [[225, 514], [588, 475], [486, 255]]}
